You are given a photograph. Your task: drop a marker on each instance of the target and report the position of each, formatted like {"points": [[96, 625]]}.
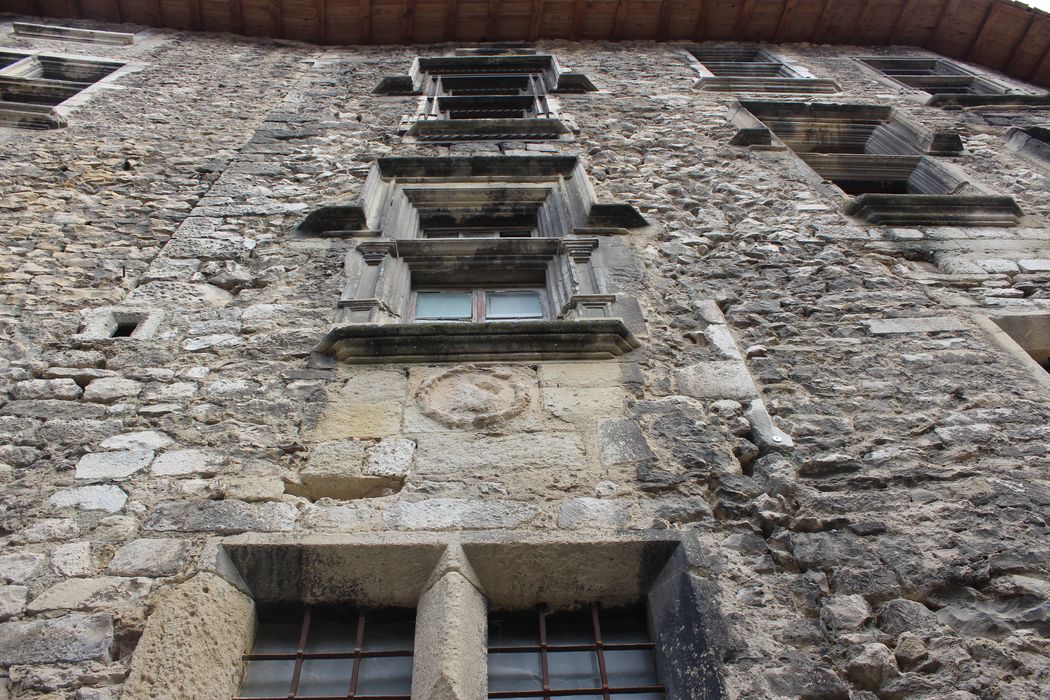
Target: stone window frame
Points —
{"points": [[566, 256], [452, 580], [479, 300], [1024, 335], [544, 75], [793, 78], [100, 324], [893, 147], [18, 68], [996, 92], [1031, 142]]}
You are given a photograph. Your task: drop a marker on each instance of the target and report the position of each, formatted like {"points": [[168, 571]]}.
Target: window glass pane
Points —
{"points": [[624, 626], [640, 696], [385, 675], [267, 679], [630, 668], [573, 669], [389, 635], [514, 631], [325, 677], [277, 638], [501, 305], [444, 305], [512, 671], [331, 636], [575, 627]]}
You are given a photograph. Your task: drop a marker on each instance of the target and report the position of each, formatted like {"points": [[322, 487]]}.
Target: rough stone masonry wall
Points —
{"points": [[899, 550]]}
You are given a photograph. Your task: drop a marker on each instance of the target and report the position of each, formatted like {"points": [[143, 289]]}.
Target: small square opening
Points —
{"points": [[1031, 333], [124, 329]]}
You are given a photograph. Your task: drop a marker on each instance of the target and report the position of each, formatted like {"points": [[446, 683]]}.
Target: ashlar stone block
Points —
{"points": [[149, 557], [724, 379], [97, 497], [113, 465], [102, 593], [68, 639]]}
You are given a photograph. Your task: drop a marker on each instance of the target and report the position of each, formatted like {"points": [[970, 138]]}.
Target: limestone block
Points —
{"points": [[622, 442], [450, 453], [454, 513], [47, 529], [931, 324], [113, 465], [585, 375], [149, 557], [844, 613], [20, 567], [583, 406], [998, 266], [803, 680], [78, 432], [337, 470], [176, 391], [109, 389], [585, 513], [346, 418], [71, 638], [12, 601], [73, 559], [178, 294], [97, 497], [204, 624], [139, 440], [52, 409], [210, 342], [253, 488], [186, 462], [102, 593], [392, 457], [47, 389], [723, 379], [1034, 265], [719, 337], [224, 517]]}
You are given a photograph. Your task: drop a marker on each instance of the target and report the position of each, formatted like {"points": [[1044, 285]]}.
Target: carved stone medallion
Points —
{"points": [[468, 396]]}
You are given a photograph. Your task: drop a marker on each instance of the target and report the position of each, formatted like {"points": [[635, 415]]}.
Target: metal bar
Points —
{"points": [[555, 648], [328, 655], [358, 643], [986, 21], [785, 14], [120, 11], [277, 17], [304, 633], [543, 651], [603, 674], [237, 16], [570, 691], [196, 15]]}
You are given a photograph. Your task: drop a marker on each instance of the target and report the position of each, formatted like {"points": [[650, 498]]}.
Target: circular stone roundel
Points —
{"points": [[472, 397]]}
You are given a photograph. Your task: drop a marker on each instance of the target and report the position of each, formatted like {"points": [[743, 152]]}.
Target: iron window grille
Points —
{"points": [[588, 653], [478, 305], [332, 654]]}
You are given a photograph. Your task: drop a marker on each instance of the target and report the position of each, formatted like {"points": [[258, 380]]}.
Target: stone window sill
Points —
{"points": [[756, 84], [935, 210], [444, 130], [588, 338]]}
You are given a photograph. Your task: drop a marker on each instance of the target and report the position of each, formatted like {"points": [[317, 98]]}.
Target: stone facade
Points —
{"points": [[822, 407]]}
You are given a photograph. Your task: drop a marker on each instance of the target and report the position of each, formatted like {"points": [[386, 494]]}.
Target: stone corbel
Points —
{"points": [[360, 302], [588, 306]]}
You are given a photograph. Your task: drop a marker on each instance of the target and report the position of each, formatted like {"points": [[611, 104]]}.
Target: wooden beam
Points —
{"points": [[492, 24], [743, 20], [863, 22], [158, 14], [120, 11], [236, 16], [196, 16], [785, 16], [536, 21], [1018, 44], [451, 10], [37, 10], [820, 28], [408, 22], [321, 22], [945, 13], [1038, 64], [986, 21], [700, 28], [277, 18], [895, 31], [619, 20], [663, 25], [578, 11], [77, 12], [366, 20]]}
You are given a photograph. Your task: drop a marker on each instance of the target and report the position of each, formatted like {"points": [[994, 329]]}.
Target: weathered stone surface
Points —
{"points": [[807, 682], [724, 379], [901, 615], [109, 389], [104, 593], [450, 513], [20, 566], [139, 440], [622, 442], [449, 453], [46, 389], [222, 517], [149, 557], [104, 497], [932, 324], [872, 666], [205, 624], [12, 601], [186, 462], [73, 559], [844, 613], [584, 405], [392, 457], [593, 513], [71, 638], [113, 465]]}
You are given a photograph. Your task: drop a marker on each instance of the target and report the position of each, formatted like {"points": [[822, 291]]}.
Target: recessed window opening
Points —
{"points": [[592, 652], [477, 232], [331, 652], [8, 58], [859, 174], [935, 76], [1032, 333], [476, 305], [124, 329]]}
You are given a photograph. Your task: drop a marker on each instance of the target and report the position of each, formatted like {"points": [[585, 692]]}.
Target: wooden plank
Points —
{"points": [[408, 21], [492, 24], [663, 25], [785, 17], [196, 16], [451, 10], [1008, 66], [578, 11], [821, 26], [947, 10], [321, 22], [987, 20], [700, 28], [77, 12], [896, 30], [743, 20], [119, 11], [236, 16], [158, 14], [1038, 64], [864, 22], [366, 21], [536, 21], [277, 18]]}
